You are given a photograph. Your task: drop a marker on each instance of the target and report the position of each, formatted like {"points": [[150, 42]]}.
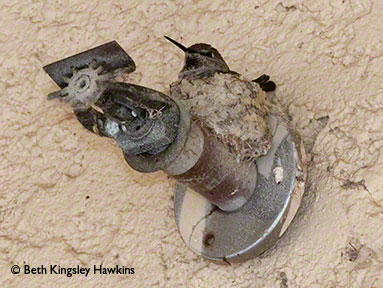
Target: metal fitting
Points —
{"points": [[245, 206]]}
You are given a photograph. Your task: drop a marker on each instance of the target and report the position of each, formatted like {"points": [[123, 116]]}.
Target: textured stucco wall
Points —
{"points": [[67, 197]]}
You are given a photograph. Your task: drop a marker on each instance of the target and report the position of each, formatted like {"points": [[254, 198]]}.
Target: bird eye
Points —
{"points": [[209, 54]]}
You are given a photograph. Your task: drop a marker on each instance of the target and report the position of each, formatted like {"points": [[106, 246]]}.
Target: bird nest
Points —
{"points": [[232, 108]]}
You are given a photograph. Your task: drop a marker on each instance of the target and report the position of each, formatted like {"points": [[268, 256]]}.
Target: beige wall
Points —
{"points": [[325, 56]]}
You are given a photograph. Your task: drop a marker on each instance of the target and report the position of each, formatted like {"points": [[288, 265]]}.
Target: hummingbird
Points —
{"points": [[202, 60], [231, 107]]}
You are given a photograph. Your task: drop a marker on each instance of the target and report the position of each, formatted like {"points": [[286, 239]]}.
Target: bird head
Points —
{"points": [[201, 60]]}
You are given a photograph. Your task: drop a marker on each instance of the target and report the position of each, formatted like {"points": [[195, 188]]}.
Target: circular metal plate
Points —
{"points": [[245, 233]]}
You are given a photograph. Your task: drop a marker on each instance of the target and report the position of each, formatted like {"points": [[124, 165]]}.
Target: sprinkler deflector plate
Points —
{"points": [[110, 56], [249, 231]]}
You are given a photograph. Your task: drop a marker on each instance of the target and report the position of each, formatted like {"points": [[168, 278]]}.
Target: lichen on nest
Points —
{"points": [[232, 108]]}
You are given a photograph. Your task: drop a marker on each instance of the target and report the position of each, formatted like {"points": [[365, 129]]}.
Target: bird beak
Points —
{"points": [[182, 47], [54, 95]]}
